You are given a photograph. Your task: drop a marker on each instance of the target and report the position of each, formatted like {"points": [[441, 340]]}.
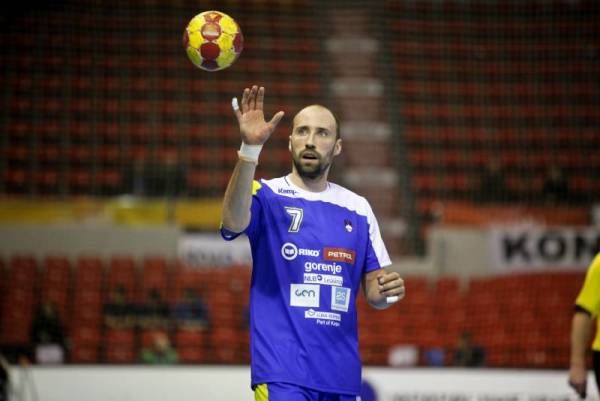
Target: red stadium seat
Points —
{"points": [[85, 354], [224, 345], [123, 272], [120, 346], [154, 275]]}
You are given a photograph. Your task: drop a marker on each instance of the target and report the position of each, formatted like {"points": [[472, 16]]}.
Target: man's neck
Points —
{"points": [[318, 184]]}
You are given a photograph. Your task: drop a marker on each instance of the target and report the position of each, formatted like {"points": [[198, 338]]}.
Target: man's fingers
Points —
{"points": [[236, 108], [391, 285], [398, 290], [388, 277], [276, 119], [252, 98], [260, 97], [580, 388], [245, 97]]}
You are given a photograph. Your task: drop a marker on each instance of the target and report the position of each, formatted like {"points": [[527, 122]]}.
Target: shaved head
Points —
{"points": [[322, 113]]}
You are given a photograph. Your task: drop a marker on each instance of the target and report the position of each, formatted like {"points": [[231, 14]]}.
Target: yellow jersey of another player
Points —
{"points": [[589, 297]]}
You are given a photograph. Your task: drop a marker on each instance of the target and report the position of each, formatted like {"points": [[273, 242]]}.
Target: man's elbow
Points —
{"points": [[233, 224]]}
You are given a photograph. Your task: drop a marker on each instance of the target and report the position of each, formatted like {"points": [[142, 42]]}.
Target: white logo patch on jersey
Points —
{"points": [[304, 295], [340, 298], [325, 279], [315, 314]]}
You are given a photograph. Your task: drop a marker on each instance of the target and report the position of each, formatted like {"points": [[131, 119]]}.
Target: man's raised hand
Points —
{"points": [[250, 115]]}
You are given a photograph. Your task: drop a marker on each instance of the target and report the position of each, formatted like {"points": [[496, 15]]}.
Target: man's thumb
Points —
{"points": [[276, 119]]}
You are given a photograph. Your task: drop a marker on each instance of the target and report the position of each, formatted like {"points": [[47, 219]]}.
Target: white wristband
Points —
{"points": [[392, 299], [249, 152]]}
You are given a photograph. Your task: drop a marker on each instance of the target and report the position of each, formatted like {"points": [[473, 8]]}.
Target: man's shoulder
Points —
{"points": [[349, 199], [345, 192], [272, 184], [335, 194]]}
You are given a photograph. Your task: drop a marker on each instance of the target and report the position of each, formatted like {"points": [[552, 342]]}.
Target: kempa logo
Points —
{"points": [[284, 191], [290, 251]]}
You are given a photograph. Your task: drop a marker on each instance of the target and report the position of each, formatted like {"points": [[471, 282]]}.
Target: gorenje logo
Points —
{"points": [[290, 251]]}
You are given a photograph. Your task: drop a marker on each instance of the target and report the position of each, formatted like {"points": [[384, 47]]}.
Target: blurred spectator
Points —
{"points": [[118, 312], [47, 335], [154, 313], [467, 353], [492, 185], [135, 180], [160, 352], [556, 186], [191, 312], [4, 383], [434, 356]]}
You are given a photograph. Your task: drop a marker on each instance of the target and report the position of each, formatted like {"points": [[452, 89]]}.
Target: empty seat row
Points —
{"points": [[507, 315]]}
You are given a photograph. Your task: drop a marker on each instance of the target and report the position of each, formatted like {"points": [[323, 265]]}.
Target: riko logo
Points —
{"points": [[290, 251], [304, 295]]}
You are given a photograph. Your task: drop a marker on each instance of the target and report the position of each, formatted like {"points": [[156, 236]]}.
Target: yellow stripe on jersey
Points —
{"points": [[589, 296], [255, 187], [261, 393]]}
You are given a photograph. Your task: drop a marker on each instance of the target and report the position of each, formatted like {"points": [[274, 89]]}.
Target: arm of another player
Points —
{"points": [[587, 306], [581, 329], [382, 288], [255, 131]]}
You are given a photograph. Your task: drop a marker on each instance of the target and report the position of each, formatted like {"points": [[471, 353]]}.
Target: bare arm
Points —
{"points": [[581, 329], [236, 202], [254, 131], [378, 285]]}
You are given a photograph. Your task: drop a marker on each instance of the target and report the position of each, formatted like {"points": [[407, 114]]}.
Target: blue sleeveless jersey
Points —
{"points": [[310, 251]]}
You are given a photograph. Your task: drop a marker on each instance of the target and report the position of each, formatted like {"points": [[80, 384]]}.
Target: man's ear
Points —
{"points": [[337, 147], [290, 143]]}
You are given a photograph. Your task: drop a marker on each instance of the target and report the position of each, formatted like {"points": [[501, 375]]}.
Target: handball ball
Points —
{"points": [[213, 40]]}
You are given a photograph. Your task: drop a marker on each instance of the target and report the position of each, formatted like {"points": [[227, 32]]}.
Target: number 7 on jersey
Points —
{"points": [[297, 214]]}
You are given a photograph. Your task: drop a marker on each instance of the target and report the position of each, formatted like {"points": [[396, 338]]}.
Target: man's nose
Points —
{"points": [[310, 140]]}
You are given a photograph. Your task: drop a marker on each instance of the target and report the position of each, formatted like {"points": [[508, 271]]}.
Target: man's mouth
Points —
{"points": [[309, 156]]}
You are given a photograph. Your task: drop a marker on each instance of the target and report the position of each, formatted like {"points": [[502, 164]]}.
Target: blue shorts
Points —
{"points": [[291, 392]]}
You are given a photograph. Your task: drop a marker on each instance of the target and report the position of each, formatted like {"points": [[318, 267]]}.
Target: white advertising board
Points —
{"points": [[212, 250], [190, 383], [533, 246]]}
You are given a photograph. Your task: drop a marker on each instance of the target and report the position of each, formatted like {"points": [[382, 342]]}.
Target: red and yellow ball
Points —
{"points": [[213, 40]]}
